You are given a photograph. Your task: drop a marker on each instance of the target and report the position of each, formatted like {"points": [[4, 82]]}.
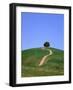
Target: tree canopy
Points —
{"points": [[46, 44]]}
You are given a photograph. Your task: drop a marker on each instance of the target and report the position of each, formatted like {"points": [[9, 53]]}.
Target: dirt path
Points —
{"points": [[44, 58]]}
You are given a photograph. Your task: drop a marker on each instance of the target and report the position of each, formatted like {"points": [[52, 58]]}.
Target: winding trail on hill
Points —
{"points": [[44, 58]]}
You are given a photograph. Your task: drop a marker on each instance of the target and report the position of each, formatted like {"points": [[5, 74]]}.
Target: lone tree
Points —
{"points": [[46, 44]]}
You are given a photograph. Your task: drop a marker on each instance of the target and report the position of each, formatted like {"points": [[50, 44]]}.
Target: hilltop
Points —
{"points": [[53, 65]]}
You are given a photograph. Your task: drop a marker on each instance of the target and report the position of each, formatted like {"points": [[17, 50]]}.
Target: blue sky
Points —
{"points": [[37, 28]]}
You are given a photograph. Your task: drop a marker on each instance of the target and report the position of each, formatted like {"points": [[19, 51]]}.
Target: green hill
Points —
{"points": [[53, 65]]}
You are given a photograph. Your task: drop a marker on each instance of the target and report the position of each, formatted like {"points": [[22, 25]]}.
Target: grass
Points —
{"points": [[53, 65]]}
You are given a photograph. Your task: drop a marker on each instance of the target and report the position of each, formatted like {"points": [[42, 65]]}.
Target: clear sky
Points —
{"points": [[37, 28]]}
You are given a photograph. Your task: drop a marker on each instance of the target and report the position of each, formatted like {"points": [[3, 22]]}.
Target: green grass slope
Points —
{"points": [[53, 65]]}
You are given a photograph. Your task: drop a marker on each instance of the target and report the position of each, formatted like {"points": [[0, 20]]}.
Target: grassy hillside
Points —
{"points": [[53, 65]]}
